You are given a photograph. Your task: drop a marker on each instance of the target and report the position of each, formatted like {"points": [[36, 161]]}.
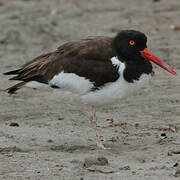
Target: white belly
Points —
{"points": [[113, 92]]}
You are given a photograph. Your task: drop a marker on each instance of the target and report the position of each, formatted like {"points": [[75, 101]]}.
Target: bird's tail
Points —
{"points": [[12, 72], [34, 70], [14, 88]]}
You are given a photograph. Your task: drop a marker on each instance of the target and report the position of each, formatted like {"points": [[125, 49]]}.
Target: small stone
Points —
{"points": [[176, 165], [50, 141], [136, 125], [60, 118], [100, 161], [110, 120], [156, 0], [125, 168], [163, 134], [14, 124]]}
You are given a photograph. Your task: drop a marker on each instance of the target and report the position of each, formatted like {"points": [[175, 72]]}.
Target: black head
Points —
{"points": [[129, 43]]}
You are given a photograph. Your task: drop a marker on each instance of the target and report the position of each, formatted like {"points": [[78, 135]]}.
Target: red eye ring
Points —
{"points": [[132, 43]]}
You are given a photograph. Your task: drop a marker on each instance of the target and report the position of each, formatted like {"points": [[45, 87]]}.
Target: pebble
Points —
{"points": [[176, 165], [100, 161], [125, 168], [163, 134], [14, 124], [50, 141]]}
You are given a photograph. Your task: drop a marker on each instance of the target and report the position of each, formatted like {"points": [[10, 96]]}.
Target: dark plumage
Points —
{"points": [[87, 58]]}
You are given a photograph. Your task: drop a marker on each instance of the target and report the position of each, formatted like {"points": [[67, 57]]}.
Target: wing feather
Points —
{"points": [[89, 58]]}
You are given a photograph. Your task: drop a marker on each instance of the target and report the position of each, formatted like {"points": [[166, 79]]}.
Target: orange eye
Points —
{"points": [[131, 42]]}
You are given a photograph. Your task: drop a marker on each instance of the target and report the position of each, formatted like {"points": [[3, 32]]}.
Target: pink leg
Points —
{"points": [[93, 121]]}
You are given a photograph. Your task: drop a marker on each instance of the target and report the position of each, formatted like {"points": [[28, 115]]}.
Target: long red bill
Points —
{"points": [[148, 55]]}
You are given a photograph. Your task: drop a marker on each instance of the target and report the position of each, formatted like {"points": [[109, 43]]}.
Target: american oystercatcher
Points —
{"points": [[101, 70]]}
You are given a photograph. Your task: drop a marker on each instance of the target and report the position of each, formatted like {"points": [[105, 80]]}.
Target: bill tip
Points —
{"points": [[176, 74]]}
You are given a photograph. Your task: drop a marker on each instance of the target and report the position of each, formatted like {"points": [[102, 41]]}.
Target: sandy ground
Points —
{"points": [[54, 139]]}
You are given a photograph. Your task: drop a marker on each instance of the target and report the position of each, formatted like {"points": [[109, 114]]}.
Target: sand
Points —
{"points": [[54, 139]]}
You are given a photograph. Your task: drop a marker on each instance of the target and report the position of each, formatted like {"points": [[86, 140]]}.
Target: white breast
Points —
{"points": [[113, 92]]}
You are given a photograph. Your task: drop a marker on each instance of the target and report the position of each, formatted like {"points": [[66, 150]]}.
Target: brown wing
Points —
{"points": [[89, 58]]}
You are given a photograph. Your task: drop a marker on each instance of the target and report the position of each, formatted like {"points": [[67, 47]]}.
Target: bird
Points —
{"points": [[101, 70]]}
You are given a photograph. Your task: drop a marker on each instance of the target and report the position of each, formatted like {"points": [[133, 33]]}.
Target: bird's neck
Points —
{"points": [[135, 68]]}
